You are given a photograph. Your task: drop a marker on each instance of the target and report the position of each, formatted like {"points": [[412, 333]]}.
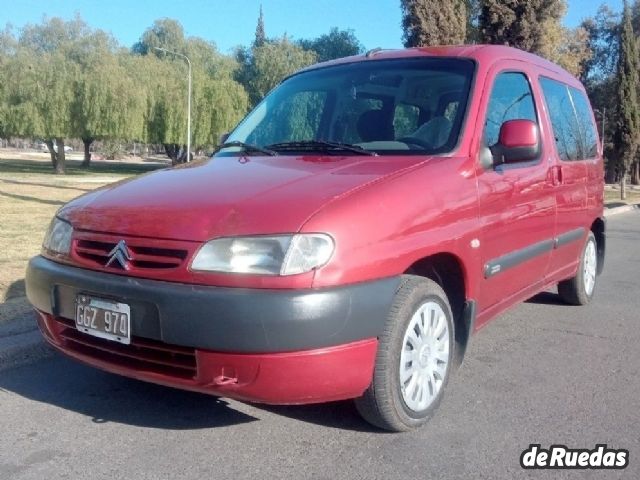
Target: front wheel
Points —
{"points": [[579, 289], [413, 362]]}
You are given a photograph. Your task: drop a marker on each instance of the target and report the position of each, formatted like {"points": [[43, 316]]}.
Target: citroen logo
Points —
{"points": [[120, 254]]}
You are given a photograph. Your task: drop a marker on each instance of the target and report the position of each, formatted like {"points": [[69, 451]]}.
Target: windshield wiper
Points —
{"points": [[322, 145], [247, 147]]}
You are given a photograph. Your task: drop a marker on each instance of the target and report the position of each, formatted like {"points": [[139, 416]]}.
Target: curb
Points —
{"points": [[608, 212]]}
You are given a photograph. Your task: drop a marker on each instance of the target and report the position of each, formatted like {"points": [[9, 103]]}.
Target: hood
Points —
{"points": [[227, 196]]}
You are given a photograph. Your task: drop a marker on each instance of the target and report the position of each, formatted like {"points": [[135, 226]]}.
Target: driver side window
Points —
{"points": [[511, 99]]}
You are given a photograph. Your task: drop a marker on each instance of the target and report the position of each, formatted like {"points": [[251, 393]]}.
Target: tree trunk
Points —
{"points": [[623, 184], [86, 163], [61, 164], [52, 152], [635, 173], [611, 171], [172, 150]]}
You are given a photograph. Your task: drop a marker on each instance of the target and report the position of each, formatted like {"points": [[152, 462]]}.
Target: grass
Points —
{"points": [[21, 168], [613, 196], [30, 194]]}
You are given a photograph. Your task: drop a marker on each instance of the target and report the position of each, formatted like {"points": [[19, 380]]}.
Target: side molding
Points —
{"points": [[512, 259]]}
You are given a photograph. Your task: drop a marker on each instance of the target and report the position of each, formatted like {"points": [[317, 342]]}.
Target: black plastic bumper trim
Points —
{"points": [[221, 319]]}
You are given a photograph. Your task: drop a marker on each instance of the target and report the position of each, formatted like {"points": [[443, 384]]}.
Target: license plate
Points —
{"points": [[103, 318]]}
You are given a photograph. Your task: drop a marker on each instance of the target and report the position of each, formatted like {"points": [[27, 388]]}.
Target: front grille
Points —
{"points": [[141, 354], [142, 256]]}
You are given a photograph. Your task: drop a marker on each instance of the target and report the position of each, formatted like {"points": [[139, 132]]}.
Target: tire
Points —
{"points": [[396, 400], [579, 290]]}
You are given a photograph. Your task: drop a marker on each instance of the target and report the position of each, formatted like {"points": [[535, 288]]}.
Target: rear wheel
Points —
{"points": [[579, 289], [414, 358]]}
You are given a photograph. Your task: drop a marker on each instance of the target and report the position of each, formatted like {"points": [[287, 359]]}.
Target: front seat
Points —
{"points": [[374, 125], [435, 132]]}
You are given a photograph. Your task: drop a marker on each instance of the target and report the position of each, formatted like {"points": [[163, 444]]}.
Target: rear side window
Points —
{"points": [[570, 114], [406, 119], [511, 99], [588, 146]]}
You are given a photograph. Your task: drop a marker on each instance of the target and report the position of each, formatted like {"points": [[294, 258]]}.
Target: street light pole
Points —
{"points": [[188, 97]]}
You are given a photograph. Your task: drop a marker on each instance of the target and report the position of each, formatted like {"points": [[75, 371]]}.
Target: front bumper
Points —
{"points": [[273, 346]]}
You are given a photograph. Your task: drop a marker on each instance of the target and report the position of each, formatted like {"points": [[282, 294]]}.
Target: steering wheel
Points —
{"points": [[416, 141]]}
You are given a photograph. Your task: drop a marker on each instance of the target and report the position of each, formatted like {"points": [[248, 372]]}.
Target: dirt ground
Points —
{"points": [[30, 194]]}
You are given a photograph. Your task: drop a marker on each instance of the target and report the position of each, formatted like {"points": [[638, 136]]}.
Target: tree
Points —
{"points": [[335, 44], [628, 122], [41, 96], [109, 104], [603, 35], [218, 102], [521, 24], [260, 37], [8, 46], [473, 15], [272, 62], [262, 68], [568, 47], [600, 80], [433, 22], [164, 33]]}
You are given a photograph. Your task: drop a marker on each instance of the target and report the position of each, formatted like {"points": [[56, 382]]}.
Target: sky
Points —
{"points": [[229, 23]]}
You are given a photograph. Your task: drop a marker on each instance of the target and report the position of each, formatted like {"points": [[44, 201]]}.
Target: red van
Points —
{"points": [[354, 231]]}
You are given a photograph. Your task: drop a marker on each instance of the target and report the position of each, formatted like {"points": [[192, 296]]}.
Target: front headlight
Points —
{"points": [[58, 237], [268, 255]]}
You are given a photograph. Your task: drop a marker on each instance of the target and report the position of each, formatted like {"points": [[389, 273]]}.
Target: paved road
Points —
{"points": [[543, 373]]}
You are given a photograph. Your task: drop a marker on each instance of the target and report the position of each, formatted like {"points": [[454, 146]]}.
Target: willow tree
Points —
{"points": [[19, 116], [109, 103], [50, 73], [38, 99], [218, 101], [165, 110]]}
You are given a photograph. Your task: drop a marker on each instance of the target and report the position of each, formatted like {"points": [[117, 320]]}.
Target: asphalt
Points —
{"points": [[542, 373]]}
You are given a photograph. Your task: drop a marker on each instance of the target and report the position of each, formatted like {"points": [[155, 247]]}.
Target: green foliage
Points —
{"points": [[523, 25], [603, 35], [275, 60], [261, 36], [262, 68], [62, 79], [218, 101], [434, 22], [113, 149], [335, 44], [628, 122], [164, 33]]}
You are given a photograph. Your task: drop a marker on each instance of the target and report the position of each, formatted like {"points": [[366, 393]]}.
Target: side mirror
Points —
{"points": [[519, 141], [224, 137]]}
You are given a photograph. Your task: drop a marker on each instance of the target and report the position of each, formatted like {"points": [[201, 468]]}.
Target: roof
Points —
{"points": [[481, 53]]}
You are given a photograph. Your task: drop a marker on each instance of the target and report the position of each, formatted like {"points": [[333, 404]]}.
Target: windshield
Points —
{"points": [[413, 105]]}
